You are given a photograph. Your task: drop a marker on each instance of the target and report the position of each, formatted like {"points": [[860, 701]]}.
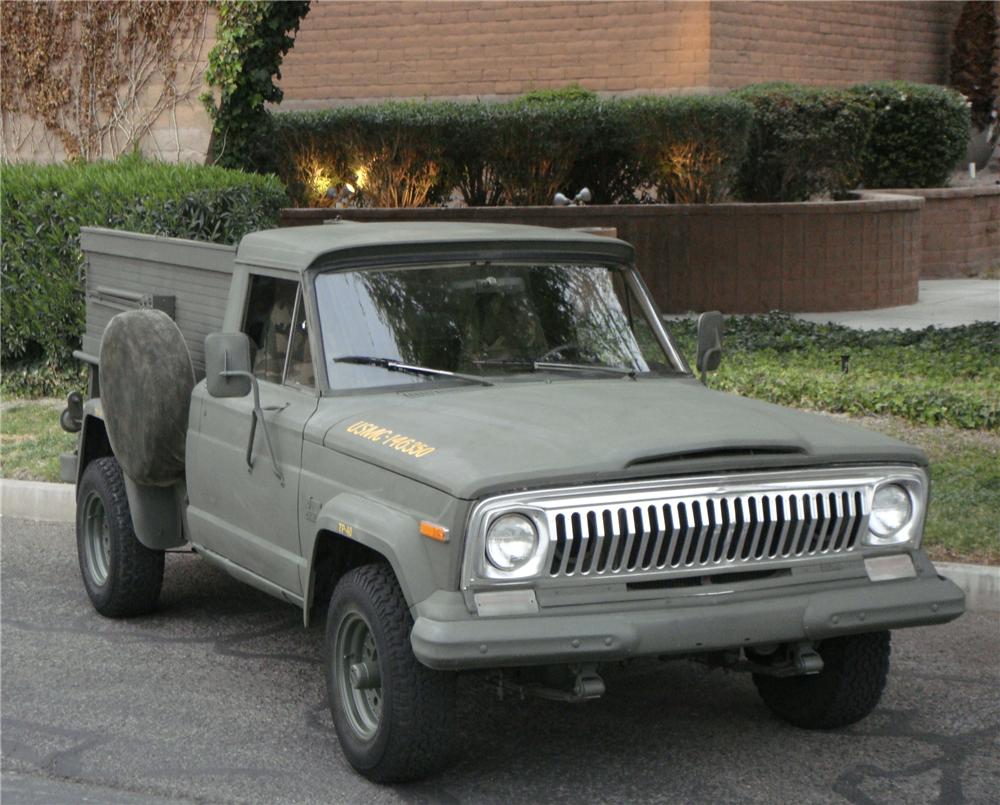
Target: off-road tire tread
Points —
{"points": [[847, 689], [422, 725], [135, 574]]}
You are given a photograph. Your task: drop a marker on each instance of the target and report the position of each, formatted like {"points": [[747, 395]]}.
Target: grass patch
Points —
{"points": [[31, 440], [934, 376]]}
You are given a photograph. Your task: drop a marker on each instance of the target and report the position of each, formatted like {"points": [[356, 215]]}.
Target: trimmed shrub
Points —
{"points": [[536, 142], [803, 142], [392, 153], [43, 208], [919, 134], [690, 147], [521, 152]]}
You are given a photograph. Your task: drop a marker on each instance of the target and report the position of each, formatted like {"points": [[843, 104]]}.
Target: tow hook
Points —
{"points": [[798, 659], [806, 660], [586, 685]]}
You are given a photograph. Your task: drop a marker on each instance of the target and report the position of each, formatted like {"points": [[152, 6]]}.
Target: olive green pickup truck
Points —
{"points": [[476, 448]]}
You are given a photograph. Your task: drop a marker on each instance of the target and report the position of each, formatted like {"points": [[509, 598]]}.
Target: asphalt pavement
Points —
{"points": [[219, 698]]}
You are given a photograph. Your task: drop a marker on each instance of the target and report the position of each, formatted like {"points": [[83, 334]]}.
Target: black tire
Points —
{"points": [[848, 688], [409, 733], [121, 575]]}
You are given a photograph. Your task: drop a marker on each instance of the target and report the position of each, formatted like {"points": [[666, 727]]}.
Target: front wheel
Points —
{"points": [[395, 718], [849, 687], [121, 575]]}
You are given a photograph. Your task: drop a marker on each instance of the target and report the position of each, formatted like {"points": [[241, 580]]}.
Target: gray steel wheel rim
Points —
{"points": [[96, 539], [355, 643]]}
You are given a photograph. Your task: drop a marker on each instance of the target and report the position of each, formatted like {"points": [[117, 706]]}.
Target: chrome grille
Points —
{"points": [[699, 532]]}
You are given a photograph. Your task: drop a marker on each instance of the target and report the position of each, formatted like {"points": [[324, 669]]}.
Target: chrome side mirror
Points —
{"points": [[709, 342]]}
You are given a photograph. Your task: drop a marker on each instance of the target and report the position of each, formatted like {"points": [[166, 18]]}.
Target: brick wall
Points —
{"points": [[830, 42], [960, 231], [352, 51], [357, 51]]}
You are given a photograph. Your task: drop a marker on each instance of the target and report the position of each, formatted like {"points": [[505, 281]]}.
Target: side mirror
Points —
{"points": [[227, 364], [709, 342]]}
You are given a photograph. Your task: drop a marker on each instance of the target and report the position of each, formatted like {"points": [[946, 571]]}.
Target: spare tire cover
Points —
{"points": [[146, 384]]}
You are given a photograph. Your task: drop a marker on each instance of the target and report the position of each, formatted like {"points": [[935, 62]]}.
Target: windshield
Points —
{"points": [[484, 320]]}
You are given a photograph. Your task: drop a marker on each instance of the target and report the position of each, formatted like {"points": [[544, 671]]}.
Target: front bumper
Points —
{"points": [[710, 624]]}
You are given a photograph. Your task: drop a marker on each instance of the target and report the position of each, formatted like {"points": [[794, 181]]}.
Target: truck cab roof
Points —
{"points": [[301, 248]]}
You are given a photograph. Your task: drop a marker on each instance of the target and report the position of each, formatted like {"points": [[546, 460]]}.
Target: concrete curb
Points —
{"points": [[37, 500], [56, 503]]}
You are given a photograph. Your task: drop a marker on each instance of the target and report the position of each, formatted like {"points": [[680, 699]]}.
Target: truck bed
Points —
{"points": [[187, 279]]}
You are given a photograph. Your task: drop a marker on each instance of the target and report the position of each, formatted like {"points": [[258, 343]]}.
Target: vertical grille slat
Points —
{"points": [[704, 531]]}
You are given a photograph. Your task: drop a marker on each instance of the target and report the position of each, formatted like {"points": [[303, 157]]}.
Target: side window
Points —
{"points": [[300, 367], [268, 323]]}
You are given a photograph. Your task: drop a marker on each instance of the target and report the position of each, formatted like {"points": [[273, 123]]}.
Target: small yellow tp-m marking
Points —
{"points": [[345, 529]]}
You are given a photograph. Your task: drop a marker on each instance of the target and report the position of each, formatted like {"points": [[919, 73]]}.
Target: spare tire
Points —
{"points": [[146, 384]]}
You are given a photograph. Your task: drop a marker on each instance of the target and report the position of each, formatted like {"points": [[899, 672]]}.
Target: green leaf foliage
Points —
{"points": [[252, 38], [931, 376], [43, 208], [803, 142], [918, 137], [523, 151]]}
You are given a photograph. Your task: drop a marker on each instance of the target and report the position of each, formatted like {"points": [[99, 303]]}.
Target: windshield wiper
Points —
{"points": [[583, 367], [396, 366], [557, 366]]}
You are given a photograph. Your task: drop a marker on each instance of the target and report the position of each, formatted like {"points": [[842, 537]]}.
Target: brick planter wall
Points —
{"points": [[738, 258], [960, 231]]}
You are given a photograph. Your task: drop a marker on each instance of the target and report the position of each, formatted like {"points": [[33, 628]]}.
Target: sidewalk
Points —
{"points": [[943, 303]]}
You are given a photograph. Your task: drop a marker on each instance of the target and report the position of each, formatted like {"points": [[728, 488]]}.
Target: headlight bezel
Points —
{"points": [[490, 544], [533, 567], [915, 483]]}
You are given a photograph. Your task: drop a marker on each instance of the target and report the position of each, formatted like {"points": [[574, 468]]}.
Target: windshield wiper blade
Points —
{"points": [[556, 365], [583, 367], [397, 366]]}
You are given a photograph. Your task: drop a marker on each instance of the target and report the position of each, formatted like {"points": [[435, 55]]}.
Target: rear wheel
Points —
{"points": [[395, 718], [121, 575], [849, 687]]}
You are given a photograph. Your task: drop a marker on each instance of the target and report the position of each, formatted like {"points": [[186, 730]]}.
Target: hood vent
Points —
{"points": [[720, 452]]}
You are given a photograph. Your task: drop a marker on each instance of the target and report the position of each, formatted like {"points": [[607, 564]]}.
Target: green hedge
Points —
{"points": [[520, 152], [919, 135], [770, 142], [803, 142], [43, 208]]}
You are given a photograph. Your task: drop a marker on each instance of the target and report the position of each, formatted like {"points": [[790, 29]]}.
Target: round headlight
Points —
{"points": [[511, 541], [891, 510]]}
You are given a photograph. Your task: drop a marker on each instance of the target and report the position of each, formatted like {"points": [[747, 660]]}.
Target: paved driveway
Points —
{"points": [[220, 699]]}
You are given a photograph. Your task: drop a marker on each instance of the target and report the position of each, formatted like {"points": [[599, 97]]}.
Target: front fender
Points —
{"points": [[392, 533]]}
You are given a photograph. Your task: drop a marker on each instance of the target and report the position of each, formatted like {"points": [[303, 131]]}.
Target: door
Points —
{"points": [[248, 512]]}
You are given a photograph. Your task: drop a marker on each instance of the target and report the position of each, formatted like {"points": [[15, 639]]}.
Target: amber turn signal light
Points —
{"points": [[432, 531]]}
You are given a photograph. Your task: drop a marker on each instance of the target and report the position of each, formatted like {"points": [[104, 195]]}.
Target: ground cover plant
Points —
{"points": [[934, 376]]}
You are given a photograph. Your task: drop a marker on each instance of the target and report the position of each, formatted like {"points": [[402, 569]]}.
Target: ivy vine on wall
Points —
{"points": [[89, 79], [252, 38]]}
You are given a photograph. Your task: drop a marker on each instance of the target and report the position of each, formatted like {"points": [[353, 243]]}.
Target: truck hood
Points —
{"points": [[472, 441]]}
